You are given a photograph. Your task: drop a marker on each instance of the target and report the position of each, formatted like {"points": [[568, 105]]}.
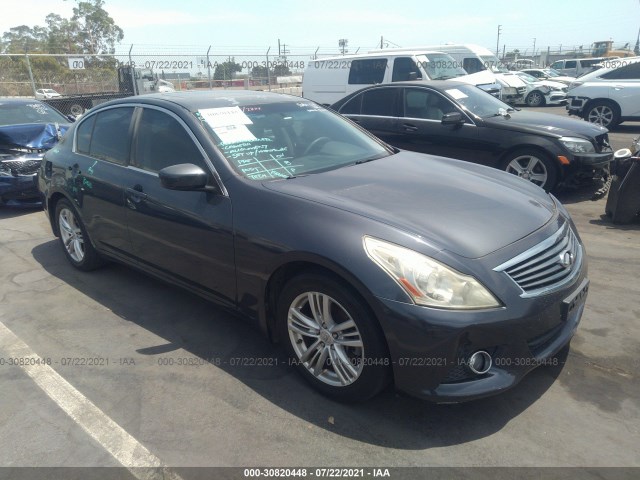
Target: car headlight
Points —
{"points": [[426, 281], [573, 85], [578, 145]]}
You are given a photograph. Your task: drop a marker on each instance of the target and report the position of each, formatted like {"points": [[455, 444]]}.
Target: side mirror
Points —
{"points": [[184, 176], [452, 118]]}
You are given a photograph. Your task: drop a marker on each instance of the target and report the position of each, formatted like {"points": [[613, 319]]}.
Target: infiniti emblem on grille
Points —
{"points": [[566, 259]]}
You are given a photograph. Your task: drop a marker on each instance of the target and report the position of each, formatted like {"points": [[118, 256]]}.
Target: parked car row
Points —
{"points": [[371, 265]]}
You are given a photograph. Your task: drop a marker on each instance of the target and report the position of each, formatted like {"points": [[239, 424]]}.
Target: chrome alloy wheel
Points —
{"points": [[601, 115], [325, 339], [530, 168], [71, 235]]}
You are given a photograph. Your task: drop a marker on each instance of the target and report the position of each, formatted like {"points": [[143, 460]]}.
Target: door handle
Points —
{"points": [[409, 128], [135, 195]]}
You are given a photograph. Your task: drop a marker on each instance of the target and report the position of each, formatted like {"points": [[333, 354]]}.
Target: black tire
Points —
{"points": [[603, 112], [371, 360], [535, 99], [544, 164], [79, 250]]}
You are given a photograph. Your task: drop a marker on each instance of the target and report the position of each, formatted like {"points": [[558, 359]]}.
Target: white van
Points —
{"points": [[574, 67], [327, 80], [474, 59]]}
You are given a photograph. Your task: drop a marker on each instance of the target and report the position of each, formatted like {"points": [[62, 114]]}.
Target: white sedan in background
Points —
{"points": [[548, 74], [44, 93], [542, 92]]}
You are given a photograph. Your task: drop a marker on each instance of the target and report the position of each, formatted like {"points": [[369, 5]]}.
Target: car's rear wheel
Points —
{"points": [[74, 238], [533, 166], [603, 112], [535, 99], [332, 338]]}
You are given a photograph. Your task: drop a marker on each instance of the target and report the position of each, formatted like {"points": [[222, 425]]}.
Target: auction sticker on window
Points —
{"points": [[234, 134], [455, 93], [224, 116]]}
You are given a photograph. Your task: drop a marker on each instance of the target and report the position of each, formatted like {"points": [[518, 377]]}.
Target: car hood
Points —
{"points": [[31, 136], [510, 80], [545, 123], [550, 83], [461, 207]]}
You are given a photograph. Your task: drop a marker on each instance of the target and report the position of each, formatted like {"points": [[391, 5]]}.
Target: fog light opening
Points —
{"points": [[480, 362]]}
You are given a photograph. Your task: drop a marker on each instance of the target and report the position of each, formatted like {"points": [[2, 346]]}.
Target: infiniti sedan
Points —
{"points": [[371, 266]]}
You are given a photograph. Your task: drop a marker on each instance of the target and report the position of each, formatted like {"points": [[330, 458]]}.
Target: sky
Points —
{"points": [[247, 26]]}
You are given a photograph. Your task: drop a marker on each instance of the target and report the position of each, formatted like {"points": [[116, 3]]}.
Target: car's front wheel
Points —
{"points": [[533, 166], [332, 338], [74, 238], [535, 99]]}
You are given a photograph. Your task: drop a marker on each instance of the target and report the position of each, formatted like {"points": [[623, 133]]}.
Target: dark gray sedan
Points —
{"points": [[369, 265]]}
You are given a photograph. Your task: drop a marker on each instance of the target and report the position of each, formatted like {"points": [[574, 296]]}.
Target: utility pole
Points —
{"points": [[534, 49], [498, 41], [381, 43], [342, 43]]}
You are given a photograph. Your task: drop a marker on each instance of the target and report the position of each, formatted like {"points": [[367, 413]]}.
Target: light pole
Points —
{"points": [[498, 41]]}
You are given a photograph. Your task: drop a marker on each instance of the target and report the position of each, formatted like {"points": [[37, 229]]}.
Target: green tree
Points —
{"points": [[281, 70], [95, 30], [225, 70], [90, 30]]}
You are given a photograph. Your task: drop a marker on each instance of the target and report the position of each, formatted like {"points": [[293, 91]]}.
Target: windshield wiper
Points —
{"points": [[375, 157]]}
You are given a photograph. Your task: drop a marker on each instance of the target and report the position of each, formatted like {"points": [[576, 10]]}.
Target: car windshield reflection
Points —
{"points": [[287, 139], [478, 102]]}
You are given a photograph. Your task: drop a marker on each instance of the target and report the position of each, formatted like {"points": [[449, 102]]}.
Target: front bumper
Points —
{"points": [[20, 190], [575, 105], [556, 97], [430, 348], [588, 161]]}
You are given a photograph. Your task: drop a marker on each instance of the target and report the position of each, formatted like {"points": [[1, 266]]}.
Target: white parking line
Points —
{"points": [[111, 436]]}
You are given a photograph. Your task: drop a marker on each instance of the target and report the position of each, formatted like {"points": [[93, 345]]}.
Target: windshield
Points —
{"points": [[440, 66], [287, 139], [492, 63], [526, 77], [552, 72], [34, 112], [477, 101]]}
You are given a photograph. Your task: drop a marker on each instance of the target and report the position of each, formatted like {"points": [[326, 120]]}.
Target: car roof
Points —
{"points": [[196, 100], [17, 101]]}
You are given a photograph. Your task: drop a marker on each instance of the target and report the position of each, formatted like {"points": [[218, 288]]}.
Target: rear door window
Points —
{"points": [[380, 102], [111, 139], [161, 141], [630, 72]]}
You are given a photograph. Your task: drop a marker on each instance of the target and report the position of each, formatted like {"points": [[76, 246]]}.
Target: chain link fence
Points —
{"points": [[97, 78]]}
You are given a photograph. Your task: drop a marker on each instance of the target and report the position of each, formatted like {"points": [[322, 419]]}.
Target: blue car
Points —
{"points": [[28, 128]]}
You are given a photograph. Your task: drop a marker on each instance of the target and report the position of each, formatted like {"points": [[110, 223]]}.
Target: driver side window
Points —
{"points": [[425, 104], [162, 141]]}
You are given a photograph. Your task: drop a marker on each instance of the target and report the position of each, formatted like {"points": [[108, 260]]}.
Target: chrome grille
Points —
{"points": [[547, 266], [20, 167]]}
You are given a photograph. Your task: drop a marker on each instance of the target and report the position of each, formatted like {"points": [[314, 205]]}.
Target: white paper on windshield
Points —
{"points": [[234, 133], [224, 116], [455, 93]]}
